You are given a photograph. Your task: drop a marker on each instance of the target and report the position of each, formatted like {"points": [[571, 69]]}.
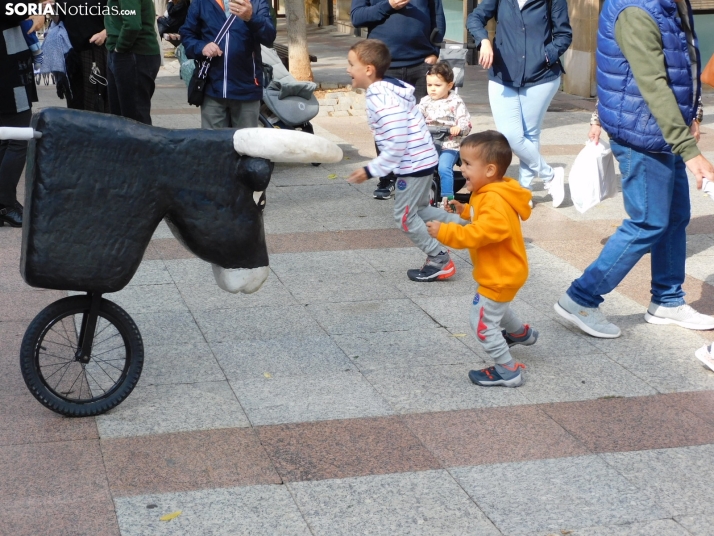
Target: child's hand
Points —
{"points": [[455, 131], [358, 176], [433, 228], [456, 207]]}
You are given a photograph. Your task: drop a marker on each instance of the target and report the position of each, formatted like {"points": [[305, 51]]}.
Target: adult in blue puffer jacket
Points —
{"points": [[648, 88], [524, 76], [235, 78]]}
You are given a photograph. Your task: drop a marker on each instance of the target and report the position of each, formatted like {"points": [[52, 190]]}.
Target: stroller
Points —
{"points": [[455, 55], [286, 103]]}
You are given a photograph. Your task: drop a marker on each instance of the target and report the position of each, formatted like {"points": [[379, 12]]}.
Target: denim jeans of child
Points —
{"points": [[518, 113], [656, 195], [447, 159]]}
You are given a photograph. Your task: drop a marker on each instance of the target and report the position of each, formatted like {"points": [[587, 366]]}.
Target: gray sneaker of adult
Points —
{"points": [[684, 316], [589, 319]]}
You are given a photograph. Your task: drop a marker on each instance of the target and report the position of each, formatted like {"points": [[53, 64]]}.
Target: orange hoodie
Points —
{"points": [[494, 238]]}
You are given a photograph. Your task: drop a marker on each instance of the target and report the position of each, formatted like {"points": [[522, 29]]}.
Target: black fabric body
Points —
{"points": [[98, 185]]}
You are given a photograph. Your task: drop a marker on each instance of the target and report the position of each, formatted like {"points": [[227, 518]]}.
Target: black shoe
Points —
{"points": [[385, 189], [12, 217], [19, 207]]}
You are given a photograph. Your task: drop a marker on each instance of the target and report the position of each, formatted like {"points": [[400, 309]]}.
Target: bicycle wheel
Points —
{"points": [[62, 382]]}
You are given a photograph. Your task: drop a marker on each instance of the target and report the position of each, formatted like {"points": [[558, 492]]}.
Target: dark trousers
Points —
{"points": [[12, 157], [130, 79], [414, 75]]}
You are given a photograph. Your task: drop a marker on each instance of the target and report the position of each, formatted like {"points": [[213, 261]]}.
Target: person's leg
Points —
{"points": [[214, 113], [670, 251], [244, 114], [147, 67], [534, 102], [112, 88], [416, 76], [647, 186], [506, 110], [447, 159], [486, 319], [12, 162], [409, 199]]}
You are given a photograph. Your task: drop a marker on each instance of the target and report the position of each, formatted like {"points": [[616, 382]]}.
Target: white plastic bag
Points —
{"points": [[592, 177]]}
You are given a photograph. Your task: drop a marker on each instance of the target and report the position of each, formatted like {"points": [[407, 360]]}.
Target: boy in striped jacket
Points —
{"points": [[406, 149]]}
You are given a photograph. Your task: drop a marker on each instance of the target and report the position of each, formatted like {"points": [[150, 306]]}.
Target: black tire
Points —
{"points": [[47, 357]]}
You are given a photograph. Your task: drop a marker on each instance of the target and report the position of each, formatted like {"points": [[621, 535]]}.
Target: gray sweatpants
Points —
{"points": [[412, 209], [487, 319]]}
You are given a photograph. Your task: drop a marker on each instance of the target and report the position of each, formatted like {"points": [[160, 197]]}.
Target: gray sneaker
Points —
{"points": [[589, 319]]}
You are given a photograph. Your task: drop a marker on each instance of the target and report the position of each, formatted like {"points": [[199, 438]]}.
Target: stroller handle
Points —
{"points": [[17, 133], [443, 44]]}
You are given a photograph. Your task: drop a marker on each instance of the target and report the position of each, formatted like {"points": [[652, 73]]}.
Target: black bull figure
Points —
{"points": [[97, 186]]}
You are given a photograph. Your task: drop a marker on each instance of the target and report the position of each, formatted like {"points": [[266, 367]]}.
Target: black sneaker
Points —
{"points": [[436, 268], [527, 337], [385, 188], [489, 377]]}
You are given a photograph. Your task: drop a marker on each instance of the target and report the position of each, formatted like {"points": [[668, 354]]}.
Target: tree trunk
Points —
{"points": [[299, 55]]}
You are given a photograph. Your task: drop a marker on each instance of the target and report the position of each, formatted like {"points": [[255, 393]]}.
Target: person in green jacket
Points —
{"points": [[134, 57]]}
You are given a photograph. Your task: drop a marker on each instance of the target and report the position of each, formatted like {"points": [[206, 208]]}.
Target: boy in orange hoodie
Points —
{"points": [[498, 253]]}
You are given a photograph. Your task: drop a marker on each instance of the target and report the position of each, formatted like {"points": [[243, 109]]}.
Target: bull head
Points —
{"points": [[98, 185]]}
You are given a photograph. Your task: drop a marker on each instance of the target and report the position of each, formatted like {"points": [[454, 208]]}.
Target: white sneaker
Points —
{"points": [[704, 354], [684, 316], [556, 187]]}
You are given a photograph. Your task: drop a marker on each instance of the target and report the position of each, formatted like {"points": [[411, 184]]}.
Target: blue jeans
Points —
{"points": [[656, 195], [518, 113], [447, 159]]}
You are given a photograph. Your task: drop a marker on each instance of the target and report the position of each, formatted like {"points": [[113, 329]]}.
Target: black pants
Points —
{"points": [[131, 85], [12, 157], [414, 75]]}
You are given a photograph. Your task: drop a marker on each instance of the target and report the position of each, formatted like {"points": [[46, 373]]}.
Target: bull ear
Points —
{"points": [[278, 145]]}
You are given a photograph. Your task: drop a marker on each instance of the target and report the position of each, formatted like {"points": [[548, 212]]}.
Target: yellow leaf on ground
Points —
{"points": [[459, 335], [169, 517], [267, 374], [332, 176]]}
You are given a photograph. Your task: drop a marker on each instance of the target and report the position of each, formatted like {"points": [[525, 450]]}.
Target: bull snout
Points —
{"points": [[245, 280], [279, 145]]}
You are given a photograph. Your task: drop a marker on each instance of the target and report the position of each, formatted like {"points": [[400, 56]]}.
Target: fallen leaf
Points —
{"points": [[267, 374], [458, 335], [347, 158], [332, 176], [169, 517]]}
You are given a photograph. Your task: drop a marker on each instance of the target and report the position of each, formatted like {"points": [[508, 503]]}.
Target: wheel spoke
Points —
{"points": [[107, 339], [106, 351], [56, 371]]}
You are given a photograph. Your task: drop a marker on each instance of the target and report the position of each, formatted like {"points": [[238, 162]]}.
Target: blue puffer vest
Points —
{"points": [[623, 112]]}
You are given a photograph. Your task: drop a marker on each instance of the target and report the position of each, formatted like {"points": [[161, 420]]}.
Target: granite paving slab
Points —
{"points": [[335, 264], [428, 502], [280, 357], [341, 395], [661, 527], [406, 349], [699, 525], [556, 495], [253, 510], [161, 409], [261, 323], [185, 363], [327, 288], [190, 271], [170, 328], [370, 316], [147, 299], [210, 296], [678, 479], [151, 273], [438, 388]]}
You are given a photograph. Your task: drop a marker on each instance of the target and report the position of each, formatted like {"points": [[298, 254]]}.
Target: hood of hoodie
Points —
{"points": [[397, 87], [513, 193]]}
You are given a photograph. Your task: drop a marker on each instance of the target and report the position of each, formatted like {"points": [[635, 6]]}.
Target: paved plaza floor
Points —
{"points": [[335, 401]]}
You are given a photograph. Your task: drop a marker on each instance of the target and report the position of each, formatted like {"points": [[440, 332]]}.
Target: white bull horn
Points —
{"points": [[279, 145]]}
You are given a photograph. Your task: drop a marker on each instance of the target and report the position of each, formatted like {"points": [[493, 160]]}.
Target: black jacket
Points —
{"points": [[528, 42]]}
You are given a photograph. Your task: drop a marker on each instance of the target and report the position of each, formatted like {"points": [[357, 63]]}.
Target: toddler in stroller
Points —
{"points": [[286, 102]]}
